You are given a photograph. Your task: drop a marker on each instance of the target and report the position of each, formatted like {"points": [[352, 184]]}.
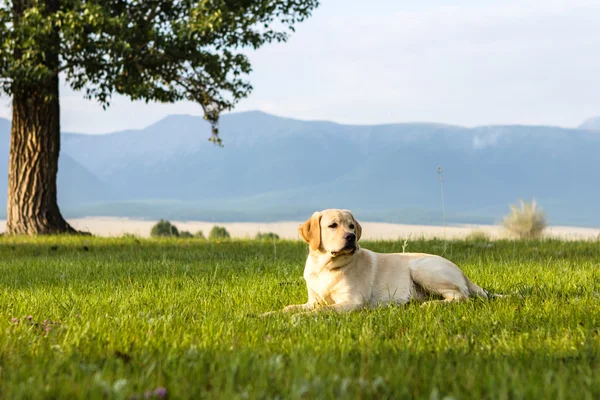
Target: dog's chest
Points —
{"points": [[324, 285]]}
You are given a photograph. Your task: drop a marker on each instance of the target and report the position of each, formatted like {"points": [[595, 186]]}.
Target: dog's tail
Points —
{"points": [[477, 290]]}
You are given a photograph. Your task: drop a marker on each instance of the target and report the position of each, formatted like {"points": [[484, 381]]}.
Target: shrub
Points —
{"points": [[164, 229], [267, 236], [525, 222], [218, 232], [478, 235], [199, 235], [185, 235]]}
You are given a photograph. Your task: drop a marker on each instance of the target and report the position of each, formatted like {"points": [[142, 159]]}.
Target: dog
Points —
{"points": [[341, 276]]}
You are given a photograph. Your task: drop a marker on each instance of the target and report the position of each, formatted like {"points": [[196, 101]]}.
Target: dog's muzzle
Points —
{"points": [[348, 249]]}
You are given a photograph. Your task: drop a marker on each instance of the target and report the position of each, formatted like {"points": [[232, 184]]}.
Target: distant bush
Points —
{"points": [[218, 232], [164, 229], [267, 236], [478, 235], [185, 235], [525, 222], [199, 235]]}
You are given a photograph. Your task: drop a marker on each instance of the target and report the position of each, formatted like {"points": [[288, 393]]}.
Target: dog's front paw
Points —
{"points": [[292, 308]]}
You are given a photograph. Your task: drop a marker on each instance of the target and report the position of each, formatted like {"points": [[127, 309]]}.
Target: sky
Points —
{"points": [[461, 62]]}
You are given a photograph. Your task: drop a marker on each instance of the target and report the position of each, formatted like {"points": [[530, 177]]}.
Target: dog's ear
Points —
{"points": [[357, 227], [311, 231]]}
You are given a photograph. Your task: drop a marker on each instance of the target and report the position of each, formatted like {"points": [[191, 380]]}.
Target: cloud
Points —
{"points": [[531, 62]]}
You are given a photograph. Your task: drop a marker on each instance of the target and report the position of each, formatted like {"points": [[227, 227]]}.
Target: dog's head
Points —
{"points": [[332, 231]]}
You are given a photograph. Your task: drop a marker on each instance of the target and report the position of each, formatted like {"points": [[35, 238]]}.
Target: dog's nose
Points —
{"points": [[350, 237]]}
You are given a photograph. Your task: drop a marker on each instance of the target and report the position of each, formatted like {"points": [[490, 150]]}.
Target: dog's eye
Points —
{"points": [[333, 226], [351, 226]]}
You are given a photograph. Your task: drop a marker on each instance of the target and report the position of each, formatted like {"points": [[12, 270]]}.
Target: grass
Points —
{"points": [[126, 316]]}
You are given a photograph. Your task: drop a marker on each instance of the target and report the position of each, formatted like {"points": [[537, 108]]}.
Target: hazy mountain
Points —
{"points": [[76, 185], [4, 126], [275, 168], [592, 124]]}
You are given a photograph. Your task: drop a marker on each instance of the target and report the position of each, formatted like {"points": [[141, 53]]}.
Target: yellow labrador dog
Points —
{"points": [[340, 276]]}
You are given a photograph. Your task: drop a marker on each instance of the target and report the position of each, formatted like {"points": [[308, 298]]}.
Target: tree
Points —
{"points": [[164, 229], [152, 50], [185, 235], [218, 233]]}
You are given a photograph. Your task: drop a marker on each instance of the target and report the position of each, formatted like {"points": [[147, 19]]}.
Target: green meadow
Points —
{"points": [[130, 318]]}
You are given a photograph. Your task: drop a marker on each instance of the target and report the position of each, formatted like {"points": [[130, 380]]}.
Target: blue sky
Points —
{"points": [[464, 62]]}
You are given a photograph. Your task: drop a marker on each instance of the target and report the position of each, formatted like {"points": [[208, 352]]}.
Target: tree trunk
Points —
{"points": [[33, 165], [34, 147]]}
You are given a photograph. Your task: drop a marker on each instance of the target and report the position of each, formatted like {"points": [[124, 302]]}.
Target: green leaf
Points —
{"points": [[151, 50]]}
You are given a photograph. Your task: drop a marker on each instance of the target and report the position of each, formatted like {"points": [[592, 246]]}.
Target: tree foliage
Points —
{"points": [[218, 232], [164, 228], [151, 50]]}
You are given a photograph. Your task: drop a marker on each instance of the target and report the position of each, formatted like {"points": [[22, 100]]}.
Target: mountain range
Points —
{"points": [[592, 124], [274, 168]]}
